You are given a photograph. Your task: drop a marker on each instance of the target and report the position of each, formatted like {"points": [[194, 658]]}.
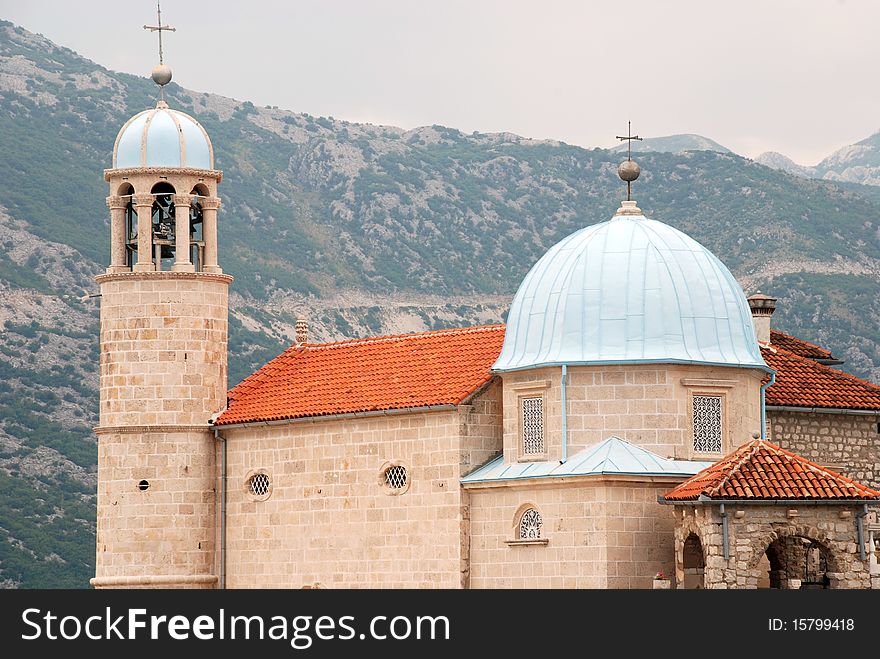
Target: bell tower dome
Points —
{"points": [[163, 338]]}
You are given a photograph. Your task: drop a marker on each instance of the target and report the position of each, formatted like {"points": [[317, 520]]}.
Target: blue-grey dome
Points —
{"points": [[163, 137], [630, 290]]}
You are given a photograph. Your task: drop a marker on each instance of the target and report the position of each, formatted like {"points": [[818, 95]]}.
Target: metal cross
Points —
{"points": [[160, 28], [630, 137]]}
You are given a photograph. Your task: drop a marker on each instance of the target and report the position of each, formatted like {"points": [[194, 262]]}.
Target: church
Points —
{"points": [[637, 423]]}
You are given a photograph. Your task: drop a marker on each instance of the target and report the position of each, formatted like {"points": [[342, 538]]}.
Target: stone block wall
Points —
{"points": [[645, 404], [753, 528], [599, 534], [329, 519], [164, 534], [849, 444], [480, 428], [163, 348]]}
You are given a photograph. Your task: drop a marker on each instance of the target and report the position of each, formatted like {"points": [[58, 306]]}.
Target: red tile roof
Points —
{"points": [[798, 346], [801, 382], [382, 373], [444, 367], [763, 471]]}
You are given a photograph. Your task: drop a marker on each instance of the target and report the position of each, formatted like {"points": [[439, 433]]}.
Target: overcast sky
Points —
{"points": [[795, 76]]}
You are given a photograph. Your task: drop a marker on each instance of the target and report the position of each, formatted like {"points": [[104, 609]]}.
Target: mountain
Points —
{"points": [[856, 163], [674, 144], [777, 160], [365, 230]]}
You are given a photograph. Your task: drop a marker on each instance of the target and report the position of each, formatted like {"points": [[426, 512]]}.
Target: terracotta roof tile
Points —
{"points": [[801, 382], [798, 346], [444, 367], [761, 470], [381, 373]]}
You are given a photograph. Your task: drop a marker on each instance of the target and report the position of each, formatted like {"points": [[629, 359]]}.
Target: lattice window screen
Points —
{"points": [[533, 426], [707, 424], [395, 477], [530, 525]]}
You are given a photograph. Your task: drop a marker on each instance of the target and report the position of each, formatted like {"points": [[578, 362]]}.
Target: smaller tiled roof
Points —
{"points": [[798, 346], [802, 382], [761, 470], [366, 375], [612, 456]]}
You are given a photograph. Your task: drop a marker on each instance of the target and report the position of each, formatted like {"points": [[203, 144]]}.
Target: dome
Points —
{"points": [[163, 137], [630, 290]]}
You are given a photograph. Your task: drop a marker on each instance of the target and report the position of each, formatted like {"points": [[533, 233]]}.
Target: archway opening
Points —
{"points": [[200, 190], [164, 225], [693, 563], [793, 562], [126, 191]]}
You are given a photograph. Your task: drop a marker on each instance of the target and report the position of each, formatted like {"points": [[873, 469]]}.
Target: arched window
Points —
{"points": [[530, 524]]}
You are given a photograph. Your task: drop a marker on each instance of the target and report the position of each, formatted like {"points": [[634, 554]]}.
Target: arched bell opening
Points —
{"points": [[201, 190], [196, 235], [163, 225]]}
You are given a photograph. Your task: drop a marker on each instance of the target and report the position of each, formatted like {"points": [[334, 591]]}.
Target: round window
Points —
{"points": [[394, 478], [259, 485]]}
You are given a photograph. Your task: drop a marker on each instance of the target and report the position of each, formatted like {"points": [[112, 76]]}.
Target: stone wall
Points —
{"points": [[645, 404], [163, 534], [163, 348], [329, 519], [163, 374], [599, 534], [753, 528], [480, 428], [847, 443]]}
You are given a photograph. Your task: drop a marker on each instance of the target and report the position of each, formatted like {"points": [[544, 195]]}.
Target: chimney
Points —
{"points": [[762, 307], [302, 330]]}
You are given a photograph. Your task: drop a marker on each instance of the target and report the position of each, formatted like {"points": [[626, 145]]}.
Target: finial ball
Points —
{"points": [[628, 171], [161, 74]]}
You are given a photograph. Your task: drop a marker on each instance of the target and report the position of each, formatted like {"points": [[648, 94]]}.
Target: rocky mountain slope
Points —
{"points": [[856, 163], [363, 229], [674, 144]]}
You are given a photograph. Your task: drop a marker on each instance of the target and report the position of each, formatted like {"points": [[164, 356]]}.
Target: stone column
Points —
{"points": [[210, 205], [144, 204], [182, 206], [117, 233]]}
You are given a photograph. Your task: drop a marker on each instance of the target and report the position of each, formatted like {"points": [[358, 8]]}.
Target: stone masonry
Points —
{"points": [[330, 521], [753, 528], [163, 375], [847, 443], [648, 405], [597, 533]]}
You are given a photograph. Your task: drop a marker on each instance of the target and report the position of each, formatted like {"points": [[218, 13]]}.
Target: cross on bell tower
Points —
{"points": [[161, 73]]}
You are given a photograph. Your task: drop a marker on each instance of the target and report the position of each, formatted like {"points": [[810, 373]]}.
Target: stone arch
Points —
{"points": [[777, 543], [163, 187], [125, 189], [818, 536], [693, 562], [201, 190]]}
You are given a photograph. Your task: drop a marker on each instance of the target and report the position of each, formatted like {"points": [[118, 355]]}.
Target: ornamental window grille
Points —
{"points": [[258, 485], [395, 477], [707, 424], [530, 525], [533, 426]]}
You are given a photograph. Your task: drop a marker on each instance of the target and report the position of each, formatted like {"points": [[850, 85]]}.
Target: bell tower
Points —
{"points": [[163, 337]]}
